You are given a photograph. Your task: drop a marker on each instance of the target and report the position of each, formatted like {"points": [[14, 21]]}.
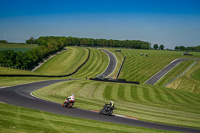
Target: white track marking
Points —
{"points": [[41, 98], [109, 62], [160, 71]]}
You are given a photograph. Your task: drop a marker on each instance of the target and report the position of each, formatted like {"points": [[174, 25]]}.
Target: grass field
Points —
{"points": [[149, 103], [141, 68], [64, 63], [14, 119], [17, 47]]}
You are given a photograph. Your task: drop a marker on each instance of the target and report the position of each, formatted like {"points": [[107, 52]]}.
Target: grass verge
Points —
{"points": [[14, 119]]}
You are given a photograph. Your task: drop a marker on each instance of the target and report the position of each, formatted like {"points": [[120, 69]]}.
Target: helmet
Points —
{"points": [[111, 102], [72, 94]]}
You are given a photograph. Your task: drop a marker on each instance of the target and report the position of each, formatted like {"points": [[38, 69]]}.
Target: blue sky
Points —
{"points": [[167, 22]]}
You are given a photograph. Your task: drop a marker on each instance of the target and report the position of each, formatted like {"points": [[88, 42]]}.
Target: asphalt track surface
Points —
{"points": [[20, 95], [154, 79], [112, 64]]}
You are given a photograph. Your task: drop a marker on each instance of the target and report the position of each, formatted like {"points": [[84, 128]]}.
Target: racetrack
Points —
{"points": [[155, 78], [20, 95], [112, 64]]}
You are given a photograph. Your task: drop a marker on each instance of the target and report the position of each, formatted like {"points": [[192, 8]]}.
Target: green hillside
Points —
{"points": [[64, 63], [149, 103], [96, 64], [141, 68], [158, 104]]}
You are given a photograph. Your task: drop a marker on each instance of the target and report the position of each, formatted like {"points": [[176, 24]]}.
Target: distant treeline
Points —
{"points": [[72, 41], [3, 41], [182, 48], [50, 44]]}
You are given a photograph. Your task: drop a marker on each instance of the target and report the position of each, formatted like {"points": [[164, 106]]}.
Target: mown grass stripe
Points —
{"points": [[134, 95], [120, 94], [127, 93]]}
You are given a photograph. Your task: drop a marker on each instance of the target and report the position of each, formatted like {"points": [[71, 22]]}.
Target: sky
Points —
{"points": [[168, 22]]}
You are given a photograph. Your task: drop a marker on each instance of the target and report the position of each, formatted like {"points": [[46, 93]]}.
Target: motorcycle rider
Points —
{"points": [[70, 98], [111, 106]]}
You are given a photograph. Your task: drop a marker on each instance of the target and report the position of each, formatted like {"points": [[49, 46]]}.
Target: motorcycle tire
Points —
{"points": [[109, 113], [69, 105], [100, 112]]}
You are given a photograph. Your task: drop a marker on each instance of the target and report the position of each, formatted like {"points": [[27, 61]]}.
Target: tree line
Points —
{"points": [[50, 44], [183, 48], [74, 41]]}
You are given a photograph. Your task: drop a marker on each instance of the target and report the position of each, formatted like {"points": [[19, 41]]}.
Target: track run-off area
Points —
{"points": [[21, 95]]}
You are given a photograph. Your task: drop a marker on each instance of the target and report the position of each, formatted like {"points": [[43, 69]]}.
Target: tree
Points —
{"points": [[176, 48], [3, 41], [155, 46], [182, 48], [31, 40], [161, 47]]}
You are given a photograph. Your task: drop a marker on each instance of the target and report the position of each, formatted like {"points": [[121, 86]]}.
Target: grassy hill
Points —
{"points": [[96, 64], [145, 102], [64, 63], [141, 68]]}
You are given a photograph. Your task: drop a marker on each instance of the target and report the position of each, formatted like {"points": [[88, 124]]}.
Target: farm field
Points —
{"points": [[145, 102], [141, 68], [17, 47], [14, 119]]}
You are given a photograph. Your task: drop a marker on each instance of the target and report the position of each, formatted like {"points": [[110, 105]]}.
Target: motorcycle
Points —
{"points": [[107, 110], [68, 104]]}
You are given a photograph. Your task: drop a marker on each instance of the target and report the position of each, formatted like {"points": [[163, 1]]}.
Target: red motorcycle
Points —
{"points": [[68, 103]]}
